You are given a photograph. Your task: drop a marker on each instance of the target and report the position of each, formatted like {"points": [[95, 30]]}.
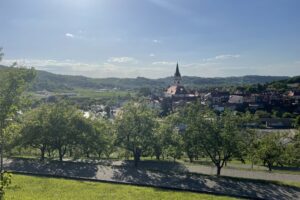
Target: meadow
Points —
{"points": [[43, 188]]}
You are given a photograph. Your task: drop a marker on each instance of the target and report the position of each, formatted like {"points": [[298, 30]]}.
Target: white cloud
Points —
{"points": [[122, 60], [164, 63], [69, 35], [156, 41], [152, 55], [46, 64], [223, 57], [226, 56]]}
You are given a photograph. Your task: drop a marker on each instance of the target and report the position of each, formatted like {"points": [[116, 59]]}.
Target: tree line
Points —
{"points": [[60, 130]]}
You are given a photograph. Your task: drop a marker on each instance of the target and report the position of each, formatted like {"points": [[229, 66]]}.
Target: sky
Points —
{"points": [[131, 38]]}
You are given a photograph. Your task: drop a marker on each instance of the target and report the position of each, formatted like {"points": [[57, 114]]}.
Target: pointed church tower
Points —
{"points": [[177, 76]]}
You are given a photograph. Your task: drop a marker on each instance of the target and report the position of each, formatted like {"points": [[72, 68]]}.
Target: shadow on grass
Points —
{"points": [[167, 175], [292, 169], [167, 178], [52, 167]]}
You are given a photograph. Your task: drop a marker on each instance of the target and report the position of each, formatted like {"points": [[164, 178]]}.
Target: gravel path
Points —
{"points": [[264, 175], [161, 174]]}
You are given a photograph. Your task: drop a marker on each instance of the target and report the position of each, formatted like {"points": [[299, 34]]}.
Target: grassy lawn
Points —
{"points": [[101, 94], [290, 183], [37, 188]]}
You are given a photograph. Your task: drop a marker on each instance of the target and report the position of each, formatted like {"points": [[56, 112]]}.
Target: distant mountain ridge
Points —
{"points": [[53, 82]]}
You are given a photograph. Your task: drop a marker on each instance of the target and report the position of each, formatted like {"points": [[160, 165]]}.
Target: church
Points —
{"points": [[177, 91]]}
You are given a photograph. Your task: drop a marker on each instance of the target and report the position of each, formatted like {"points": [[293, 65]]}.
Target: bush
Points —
{"points": [[4, 183]]}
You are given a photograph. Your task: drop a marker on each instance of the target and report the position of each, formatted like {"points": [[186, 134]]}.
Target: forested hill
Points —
{"points": [[293, 82], [54, 82]]}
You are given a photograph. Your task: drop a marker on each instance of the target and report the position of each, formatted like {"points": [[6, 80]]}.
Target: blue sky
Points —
{"points": [[130, 38]]}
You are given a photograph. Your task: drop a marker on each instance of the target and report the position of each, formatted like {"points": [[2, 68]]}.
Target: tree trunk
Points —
{"points": [[42, 153], [219, 170], [60, 157], [70, 153], [191, 158], [137, 155], [61, 153], [157, 157], [49, 153], [270, 167]]}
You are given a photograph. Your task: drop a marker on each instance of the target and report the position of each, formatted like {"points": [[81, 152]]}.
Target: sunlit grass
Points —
{"points": [[37, 188], [101, 94]]}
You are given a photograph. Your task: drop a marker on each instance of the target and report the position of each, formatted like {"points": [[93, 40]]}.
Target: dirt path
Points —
{"points": [[149, 173]]}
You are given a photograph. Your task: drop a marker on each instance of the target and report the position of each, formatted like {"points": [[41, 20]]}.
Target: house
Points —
{"points": [[295, 95], [176, 90], [216, 97], [253, 98], [236, 99]]}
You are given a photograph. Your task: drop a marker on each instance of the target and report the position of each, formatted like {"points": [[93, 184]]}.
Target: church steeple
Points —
{"points": [[177, 75]]}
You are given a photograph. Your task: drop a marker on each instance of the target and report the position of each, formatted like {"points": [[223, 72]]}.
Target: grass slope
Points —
{"points": [[41, 188]]}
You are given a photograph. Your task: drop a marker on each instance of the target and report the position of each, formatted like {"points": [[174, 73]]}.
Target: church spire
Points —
{"points": [[177, 75]]}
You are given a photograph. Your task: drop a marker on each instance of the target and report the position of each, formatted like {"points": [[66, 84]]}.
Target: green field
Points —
{"points": [[37, 188], [102, 94]]}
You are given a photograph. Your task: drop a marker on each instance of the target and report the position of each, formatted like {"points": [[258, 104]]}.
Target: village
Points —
{"points": [[275, 109]]}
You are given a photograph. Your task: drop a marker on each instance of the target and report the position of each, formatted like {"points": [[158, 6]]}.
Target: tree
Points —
{"points": [[291, 150], [105, 137], [262, 114], [190, 137], [144, 91], [35, 131], [296, 148], [61, 127], [251, 137], [84, 134], [166, 106], [297, 122], [158, 142], [134, 125], [108, 111], [287, 115], [167, 138], [271, 149], [13, 82], [4, 183], [219, 137], [173, 147]]}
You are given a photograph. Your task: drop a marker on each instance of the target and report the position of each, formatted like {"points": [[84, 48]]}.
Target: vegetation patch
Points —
{"points": [[37, 188]]}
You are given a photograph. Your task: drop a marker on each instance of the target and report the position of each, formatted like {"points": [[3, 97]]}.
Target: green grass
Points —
{"points": [[101, 94], [290, 183], [42, 188]]}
